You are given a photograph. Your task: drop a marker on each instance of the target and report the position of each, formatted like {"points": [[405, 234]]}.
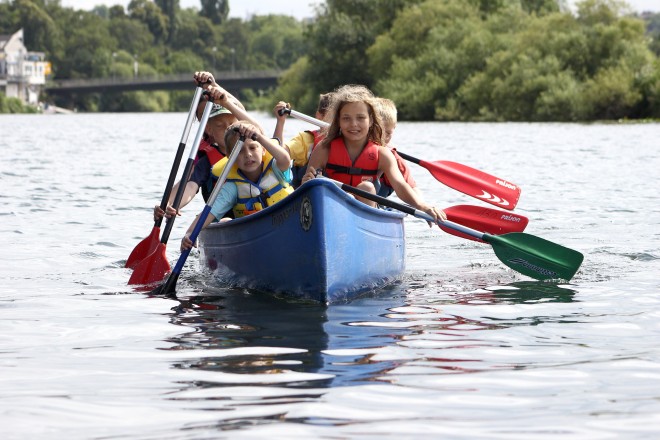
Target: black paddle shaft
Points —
{"points": [[381, 200], [408, 157]]}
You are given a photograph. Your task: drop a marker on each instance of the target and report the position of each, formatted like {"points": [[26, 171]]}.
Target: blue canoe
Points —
{"points": [[318, 244]]}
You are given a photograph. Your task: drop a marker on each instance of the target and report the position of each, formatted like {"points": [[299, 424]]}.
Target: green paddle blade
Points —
{"points": [[534, 256]]}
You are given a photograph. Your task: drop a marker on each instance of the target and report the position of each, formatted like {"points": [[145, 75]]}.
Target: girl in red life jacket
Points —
{"points": [[351, 151]]}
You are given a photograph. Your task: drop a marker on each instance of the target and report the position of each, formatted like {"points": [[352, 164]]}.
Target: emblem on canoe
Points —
{"points": [[306, 214]]}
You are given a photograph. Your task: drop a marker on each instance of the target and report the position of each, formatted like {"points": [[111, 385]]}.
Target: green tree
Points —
{"points": [[8, 19], [653, 31], [171, 9], [88, 43], [236, 39], [130, 35], [611, 93], [409, 31], [275, 42], [341, 34], [293, 87], [542, 7], [116, 11], [196, 34], [151, 15], [215, 10], [14, 105], [41, 32], [452, 42]]}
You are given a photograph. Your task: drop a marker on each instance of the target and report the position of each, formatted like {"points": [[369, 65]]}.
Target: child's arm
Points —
{"points": [[405, 171], [281, 119], [387, 164], [224, 201], [222, 97], [279, 153], [206, 80], [186, 242], [317, 161], [189, 193]]}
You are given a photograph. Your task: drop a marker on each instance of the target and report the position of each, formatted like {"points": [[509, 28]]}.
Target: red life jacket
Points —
{"points": [[299, 171], [211, 152], [318, 137], [341, 168]]}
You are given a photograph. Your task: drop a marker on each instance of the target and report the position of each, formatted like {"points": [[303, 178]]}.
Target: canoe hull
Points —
{"points": [[318, 244]]}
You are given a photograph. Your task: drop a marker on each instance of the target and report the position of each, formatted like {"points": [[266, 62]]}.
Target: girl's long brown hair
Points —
{"points": [[346, 95]]}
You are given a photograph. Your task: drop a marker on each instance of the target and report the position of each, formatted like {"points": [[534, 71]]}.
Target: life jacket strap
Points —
{"points": [[351, 171]]}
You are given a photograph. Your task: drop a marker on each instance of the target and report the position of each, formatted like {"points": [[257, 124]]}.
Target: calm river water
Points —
{"points": [[462, 347]]}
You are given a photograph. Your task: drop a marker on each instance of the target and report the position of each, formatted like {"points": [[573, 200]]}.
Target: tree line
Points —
{"points": [[447, 60], [160, 36]]}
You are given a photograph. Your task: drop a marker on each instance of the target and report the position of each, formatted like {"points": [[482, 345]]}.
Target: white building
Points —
{"points": [[22, 73]]}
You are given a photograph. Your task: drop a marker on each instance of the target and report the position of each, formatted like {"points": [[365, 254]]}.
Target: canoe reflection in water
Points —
{"points": [[335, 345], [254, 323], [258, 359]]}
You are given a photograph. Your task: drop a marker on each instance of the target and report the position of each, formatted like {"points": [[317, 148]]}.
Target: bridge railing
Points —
{"points": [[138, 82]]}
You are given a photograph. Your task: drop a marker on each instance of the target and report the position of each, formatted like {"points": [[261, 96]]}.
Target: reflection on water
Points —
{"points": [[375, 339], [517, 292], [233, 318], [444, 341]]}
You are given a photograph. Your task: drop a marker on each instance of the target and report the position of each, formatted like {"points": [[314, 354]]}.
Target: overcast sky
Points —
{"points": [[296, 8]]}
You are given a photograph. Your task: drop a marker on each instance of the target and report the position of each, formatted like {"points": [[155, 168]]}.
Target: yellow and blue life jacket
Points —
{"points": [[255, 196]]}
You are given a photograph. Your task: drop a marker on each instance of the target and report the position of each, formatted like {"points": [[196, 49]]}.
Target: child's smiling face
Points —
{"points": [[354, 121]]}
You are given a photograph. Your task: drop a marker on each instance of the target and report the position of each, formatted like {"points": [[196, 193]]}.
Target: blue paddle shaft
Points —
{"points": [[207, 208], [193, 237]]}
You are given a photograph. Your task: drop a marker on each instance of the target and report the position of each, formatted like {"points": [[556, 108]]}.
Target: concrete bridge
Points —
{"points": [[232, 81]]}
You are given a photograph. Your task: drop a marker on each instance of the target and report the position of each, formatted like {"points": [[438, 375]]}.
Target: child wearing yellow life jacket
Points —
{"points": [[226, 111], [260, 177], [352, 150]]}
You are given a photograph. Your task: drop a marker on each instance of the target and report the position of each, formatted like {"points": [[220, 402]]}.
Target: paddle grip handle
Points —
{"points": [[200, 84], [307, 118], [208, 96], [242, 138]]}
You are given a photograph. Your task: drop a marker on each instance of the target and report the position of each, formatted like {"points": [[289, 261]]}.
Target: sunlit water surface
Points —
{"points": [[462, 347]]}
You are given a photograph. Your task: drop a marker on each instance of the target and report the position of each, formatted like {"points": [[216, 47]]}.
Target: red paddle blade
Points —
{"points": [[143, 248], [151, 269], [475, 183], [491, 221]]}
